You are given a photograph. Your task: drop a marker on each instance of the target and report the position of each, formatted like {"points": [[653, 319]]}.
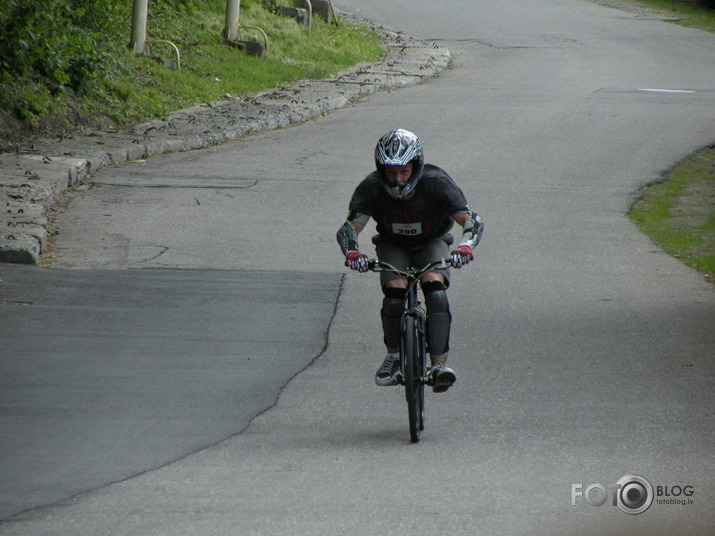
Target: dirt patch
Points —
{"points": [[15, 133]]}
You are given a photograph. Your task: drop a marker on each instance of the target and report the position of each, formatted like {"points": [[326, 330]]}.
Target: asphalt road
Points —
{"points": [[584, 353], [107, 374]]}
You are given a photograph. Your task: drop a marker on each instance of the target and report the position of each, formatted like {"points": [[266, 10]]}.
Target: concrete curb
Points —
{"points": [[34, 178]]}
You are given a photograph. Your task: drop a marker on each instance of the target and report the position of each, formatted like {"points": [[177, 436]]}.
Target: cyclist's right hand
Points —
{"points": [[356, 261]]}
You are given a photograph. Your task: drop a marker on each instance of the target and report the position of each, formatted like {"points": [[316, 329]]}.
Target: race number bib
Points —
{"points": [[407, 229]]}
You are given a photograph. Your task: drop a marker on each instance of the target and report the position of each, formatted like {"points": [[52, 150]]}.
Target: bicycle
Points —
{"points": [[413, 341]]}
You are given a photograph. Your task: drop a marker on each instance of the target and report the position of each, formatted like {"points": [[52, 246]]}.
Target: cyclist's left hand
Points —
{"points": [[461, 256]]}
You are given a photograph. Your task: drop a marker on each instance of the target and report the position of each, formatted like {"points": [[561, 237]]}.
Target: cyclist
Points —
{"points": [[414, 205]]}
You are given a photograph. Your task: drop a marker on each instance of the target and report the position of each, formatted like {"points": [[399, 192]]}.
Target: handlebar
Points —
{"points": [[376, 265]]}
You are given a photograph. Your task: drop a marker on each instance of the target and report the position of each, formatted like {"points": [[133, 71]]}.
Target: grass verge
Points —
{"points": [[684, 13], [681, 12], [679, 214]]}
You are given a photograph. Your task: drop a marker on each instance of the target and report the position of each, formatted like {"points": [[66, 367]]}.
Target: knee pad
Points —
{"points": [[439, 317], [435, 293], [394, 301]]}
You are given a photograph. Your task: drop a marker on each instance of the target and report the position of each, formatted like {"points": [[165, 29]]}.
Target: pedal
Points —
{"points": [[443, 382], [441, 387]]}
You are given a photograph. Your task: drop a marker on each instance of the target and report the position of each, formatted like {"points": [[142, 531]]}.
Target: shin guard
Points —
{"points": [[392, 306], [439, 318]]}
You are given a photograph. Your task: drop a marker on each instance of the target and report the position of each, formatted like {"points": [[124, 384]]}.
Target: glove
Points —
{"points": [[356, 261], [461, 256]]}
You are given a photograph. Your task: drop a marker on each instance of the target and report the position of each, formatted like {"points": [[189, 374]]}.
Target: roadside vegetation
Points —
{"points": [[679, 214], [691, 13], [66, 64]]}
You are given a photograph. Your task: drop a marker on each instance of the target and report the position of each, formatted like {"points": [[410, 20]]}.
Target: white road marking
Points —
{"points": [[667, 90]]}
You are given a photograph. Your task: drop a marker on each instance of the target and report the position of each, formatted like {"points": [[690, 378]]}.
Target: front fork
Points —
{"points": [[418, 314]]}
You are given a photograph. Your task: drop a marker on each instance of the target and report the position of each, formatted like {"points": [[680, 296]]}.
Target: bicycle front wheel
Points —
{"points": [[414, 386]]}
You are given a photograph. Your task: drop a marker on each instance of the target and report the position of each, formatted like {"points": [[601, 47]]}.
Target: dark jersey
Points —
{"points": [[414, 221]]}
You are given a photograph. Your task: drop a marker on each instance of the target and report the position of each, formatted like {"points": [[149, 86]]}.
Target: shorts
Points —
{"points": [[402, 257]]}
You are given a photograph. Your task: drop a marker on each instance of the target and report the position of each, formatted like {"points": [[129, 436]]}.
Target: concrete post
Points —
{"points": [[139, 13], [233, 8]]}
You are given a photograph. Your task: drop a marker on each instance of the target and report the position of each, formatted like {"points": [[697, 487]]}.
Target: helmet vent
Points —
{"points": [[395, 147]]}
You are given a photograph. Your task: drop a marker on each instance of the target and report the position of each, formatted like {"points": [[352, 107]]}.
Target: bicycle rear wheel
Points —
{"points": [[414, 387]]}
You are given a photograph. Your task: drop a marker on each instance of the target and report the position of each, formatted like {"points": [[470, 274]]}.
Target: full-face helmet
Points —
{"points": [[398, 148]]}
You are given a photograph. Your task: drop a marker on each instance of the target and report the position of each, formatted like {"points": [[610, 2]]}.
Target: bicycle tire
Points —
{"points": [[414, 388]]}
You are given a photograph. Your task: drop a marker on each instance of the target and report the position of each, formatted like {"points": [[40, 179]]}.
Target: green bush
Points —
{"points": [[58, 42]]}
